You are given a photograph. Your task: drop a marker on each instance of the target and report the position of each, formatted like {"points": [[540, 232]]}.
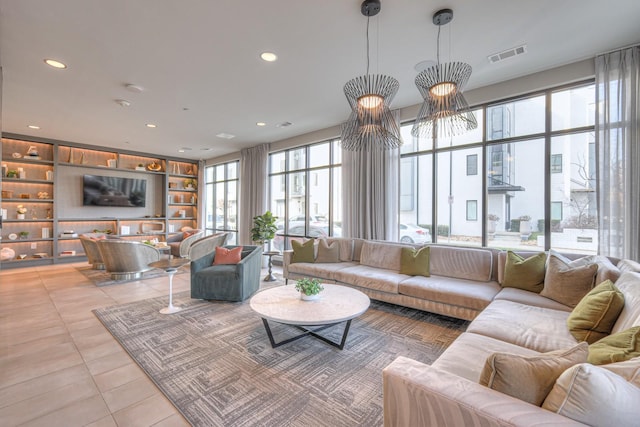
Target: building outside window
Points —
{"points": [[306, 192], [221, 200], [556, 163], [472, 164], [472, 210]]}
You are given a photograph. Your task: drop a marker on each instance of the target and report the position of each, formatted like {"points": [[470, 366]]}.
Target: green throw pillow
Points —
{"points": [[415, 263], [596, 313], [527, 274], [618, 347], [302, 252]]}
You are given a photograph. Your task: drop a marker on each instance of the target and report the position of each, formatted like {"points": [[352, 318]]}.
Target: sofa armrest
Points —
{"points": [[286, 260], [416, 394]]}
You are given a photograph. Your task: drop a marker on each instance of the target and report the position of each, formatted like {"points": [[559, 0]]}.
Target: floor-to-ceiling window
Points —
{"points": [[221, 192], [305, 192], [525, 175]]}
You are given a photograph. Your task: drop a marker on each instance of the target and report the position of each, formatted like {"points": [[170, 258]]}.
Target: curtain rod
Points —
{"points": [[619, 49]]}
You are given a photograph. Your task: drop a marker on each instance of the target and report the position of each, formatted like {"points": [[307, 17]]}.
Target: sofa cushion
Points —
{"points": [[463, 293], [328, 252], [524, 273], [618, 347], [319, 270], [627, 265], [381, 255], [529, 298], [537, 328], [357, 248], [302, 252], [346, 247], [461, 263], [629, 370], [596, 313], [529, 378], [415, 262], [466, 356], [371, 278], [567, 282], [227, 255], [629, 285], [594, 396], [606, 269]]}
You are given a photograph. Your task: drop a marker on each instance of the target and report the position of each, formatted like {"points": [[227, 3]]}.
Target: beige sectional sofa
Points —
{"points": [[465, 283]]}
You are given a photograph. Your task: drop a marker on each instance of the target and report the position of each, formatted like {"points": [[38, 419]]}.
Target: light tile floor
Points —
{"points": [[59, 366]]}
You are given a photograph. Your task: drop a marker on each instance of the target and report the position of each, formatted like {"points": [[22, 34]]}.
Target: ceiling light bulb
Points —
{"points": [[33, 127], [261, 124], [55, 64], [442, 89], [150, 125], [370, 101], [268, 56]]}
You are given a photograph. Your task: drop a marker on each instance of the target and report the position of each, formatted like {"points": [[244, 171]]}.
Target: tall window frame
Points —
{"points": [[222, 182]]}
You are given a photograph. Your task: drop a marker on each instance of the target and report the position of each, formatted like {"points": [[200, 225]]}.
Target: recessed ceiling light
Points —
{"points": [[123, 102], [268, 56], [225, 135], [181, 150], [55, 64], [33, 127], [151, 125], [261, 124], [133, 88]]}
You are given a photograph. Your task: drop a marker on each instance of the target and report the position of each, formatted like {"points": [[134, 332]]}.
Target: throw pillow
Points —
{"points": [[529, 378], [227, 256], [624, 345], [188, 233], [328, 252], [415, 262], [567, 283], [594, 396], [302, 252], [524, 273], [596, 313]]}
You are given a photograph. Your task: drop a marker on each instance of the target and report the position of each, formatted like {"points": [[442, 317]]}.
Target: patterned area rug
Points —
{"points": [[102, 278], [213, 360]]}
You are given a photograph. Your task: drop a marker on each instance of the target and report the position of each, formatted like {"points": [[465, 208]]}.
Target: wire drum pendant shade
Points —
{"points": [[371, 125]]}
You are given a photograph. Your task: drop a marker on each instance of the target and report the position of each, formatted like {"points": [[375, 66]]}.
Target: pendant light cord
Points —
{"points": [[438, 45], [368, 17]]}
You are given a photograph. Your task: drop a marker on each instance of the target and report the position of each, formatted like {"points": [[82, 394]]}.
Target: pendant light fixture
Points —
{"points": [[371, 125], [441, 87]]}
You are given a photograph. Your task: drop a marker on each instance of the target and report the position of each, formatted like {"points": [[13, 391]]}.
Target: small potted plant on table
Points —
{"points": [[309, 288]]}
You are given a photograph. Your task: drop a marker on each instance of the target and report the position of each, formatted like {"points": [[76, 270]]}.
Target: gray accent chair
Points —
{"points": [[180, 246], [206, 245], [92, 252], [228, 282], [126, 260]]}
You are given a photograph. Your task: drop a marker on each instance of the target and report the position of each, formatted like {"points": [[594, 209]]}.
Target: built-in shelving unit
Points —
{"points": [[44, 179]]}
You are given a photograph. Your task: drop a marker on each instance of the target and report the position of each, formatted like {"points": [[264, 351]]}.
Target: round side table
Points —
{"points": [[170, 266], [270, 277]]}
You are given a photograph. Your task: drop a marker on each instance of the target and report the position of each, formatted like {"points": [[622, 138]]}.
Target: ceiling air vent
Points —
{"points": [[509, 53]]}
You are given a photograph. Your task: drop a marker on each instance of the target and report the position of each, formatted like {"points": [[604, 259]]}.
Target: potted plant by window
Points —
{"points": [[309, 288], [264, 228]]}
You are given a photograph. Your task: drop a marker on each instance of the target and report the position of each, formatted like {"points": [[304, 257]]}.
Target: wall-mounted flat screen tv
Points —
{"points": [[114, 191]]}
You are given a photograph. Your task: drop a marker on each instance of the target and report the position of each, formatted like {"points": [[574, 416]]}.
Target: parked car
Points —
{"points": [[298, 220], [279, 239], [410, 233]]}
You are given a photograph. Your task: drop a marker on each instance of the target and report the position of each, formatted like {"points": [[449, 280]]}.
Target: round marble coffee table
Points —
{"points": [[336, 304]]}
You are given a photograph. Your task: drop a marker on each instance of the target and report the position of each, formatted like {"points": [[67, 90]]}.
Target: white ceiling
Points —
{"points": [[203, 55]]}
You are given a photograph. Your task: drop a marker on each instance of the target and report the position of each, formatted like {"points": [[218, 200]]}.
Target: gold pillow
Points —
{"points": [[415, 263], [618, 347], [529, 378], [596, 313], [328, 252], [302, 252], [524, 273], [567, 283]]}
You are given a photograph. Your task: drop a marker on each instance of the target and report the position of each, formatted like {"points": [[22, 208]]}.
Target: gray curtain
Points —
{"points": [[618, 142], [370, 193], [253, 189]]}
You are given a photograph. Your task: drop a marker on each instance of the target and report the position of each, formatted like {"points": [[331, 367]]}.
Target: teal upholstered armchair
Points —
{"points": [[227, 282]]}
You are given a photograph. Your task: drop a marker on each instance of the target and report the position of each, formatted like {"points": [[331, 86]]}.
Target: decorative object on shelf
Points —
{"points": [[264, 228], [83, 160], [45, 233], [25, 195], [16, 155], [154, 166], [20, 210], [33, 214], [112, 163], [173, 185], [3, 212], [22, 174], [24, 235], [43, 195], [48, 175], [40, 255], [125, 230], [309, 288], [6, 254], [441, 87], [12, 173], [68, 253], [71, 157], [7, 194], [106, 231], [49, 214], [176, 169], [68, 234], [13, 236], [190, 184], [140, 167], [5, 169], [32, 153], [193, 200], [182, 213], [371, 125], [22, 256]]}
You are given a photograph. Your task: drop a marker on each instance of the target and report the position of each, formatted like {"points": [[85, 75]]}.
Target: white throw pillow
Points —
{"points": [[594, 396]]}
